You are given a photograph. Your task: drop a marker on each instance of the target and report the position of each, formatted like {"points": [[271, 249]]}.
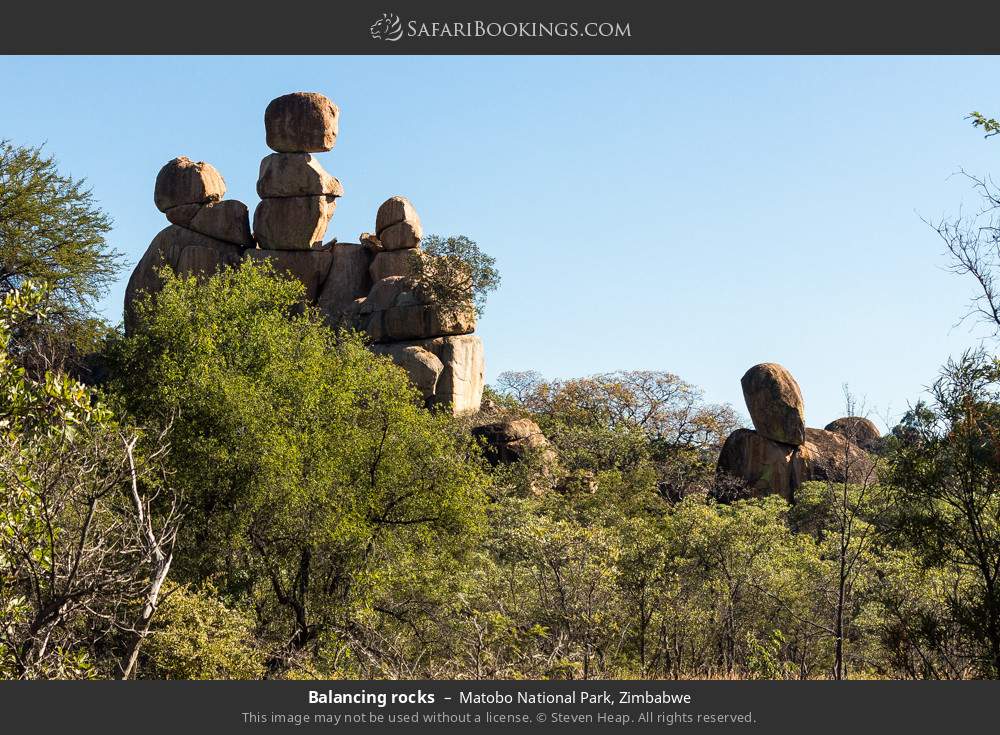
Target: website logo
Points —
{"points": [[387, 28]]}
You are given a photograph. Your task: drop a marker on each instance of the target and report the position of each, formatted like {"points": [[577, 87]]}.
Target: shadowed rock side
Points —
{"points": [[766, 465], [769, 467], [507, 439], [461, 380], [829, 456], [368, 285], [511, 440]]}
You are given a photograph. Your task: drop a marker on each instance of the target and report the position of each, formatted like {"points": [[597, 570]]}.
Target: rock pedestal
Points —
{"points": [[371, 286], [782, 453], [765, 466]]}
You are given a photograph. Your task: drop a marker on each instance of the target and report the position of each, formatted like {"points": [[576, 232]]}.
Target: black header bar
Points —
{"points": [[510, 27]]}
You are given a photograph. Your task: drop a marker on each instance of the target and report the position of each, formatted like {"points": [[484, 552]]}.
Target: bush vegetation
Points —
{"points": [[251, 493]]}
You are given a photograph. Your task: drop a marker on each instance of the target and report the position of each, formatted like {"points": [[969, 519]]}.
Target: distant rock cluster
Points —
{"points": [[367, 285], [781, 452]]}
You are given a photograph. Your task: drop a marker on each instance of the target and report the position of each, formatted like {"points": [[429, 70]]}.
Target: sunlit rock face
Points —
{"points": [[368, 286]]}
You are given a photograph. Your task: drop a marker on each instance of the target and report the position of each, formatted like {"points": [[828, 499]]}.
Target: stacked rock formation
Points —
{"points": [[298, 197], [433, 342], [205, 233], [781, 452], [371, 286]]}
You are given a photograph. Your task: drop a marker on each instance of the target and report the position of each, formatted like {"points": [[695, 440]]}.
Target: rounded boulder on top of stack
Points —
{"points": [[298, 197], [301, 122], [397, 224], [857, 429], [184, 182], [775, 403]]}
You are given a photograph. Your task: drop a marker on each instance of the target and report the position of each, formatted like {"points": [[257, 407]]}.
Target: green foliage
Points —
{"points": [[53, 233], [73, 549], [457, 272], [308, 462], [33, 414], [52, 405], [947, 470], [636, 429], [707, 590], [198, 636], [989, 126]]}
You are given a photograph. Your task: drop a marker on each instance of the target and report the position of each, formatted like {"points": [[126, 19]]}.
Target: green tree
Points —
{"points": [[309, 462], [946, 467], [456, 272], [83, 553], [197, 636], [52, 232], [651, 428]]}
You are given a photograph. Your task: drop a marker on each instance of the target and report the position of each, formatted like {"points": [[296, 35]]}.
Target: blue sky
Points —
{"points": [[691, 214]]}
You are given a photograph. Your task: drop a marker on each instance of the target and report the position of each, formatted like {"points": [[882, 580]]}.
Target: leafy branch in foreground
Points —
{"points": [[87, 526]]}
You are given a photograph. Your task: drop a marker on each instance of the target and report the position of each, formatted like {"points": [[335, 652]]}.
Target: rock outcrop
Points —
{"points": [[857, 429], [511, 440], [829, 456], [460, 383], [775, 403], [205, 234], [371, 286], [765, 466], [781, 452], [507, 439]]}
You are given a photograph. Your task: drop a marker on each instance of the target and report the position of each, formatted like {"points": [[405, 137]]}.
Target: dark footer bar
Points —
{"points": [[472, 706]]}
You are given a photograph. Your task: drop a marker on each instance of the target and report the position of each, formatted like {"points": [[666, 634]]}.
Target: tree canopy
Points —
{"points": [[308, 462]]}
